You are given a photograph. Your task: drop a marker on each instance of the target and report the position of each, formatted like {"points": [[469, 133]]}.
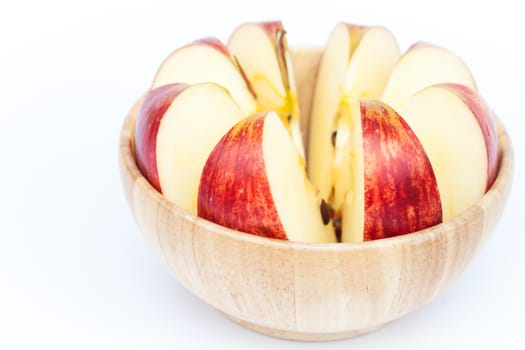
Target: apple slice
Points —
{"points": [[423, 65], [176, 128], [262, 51], [207, 60], [393, 189], [356, 64], [457, 130], [254, 181]]}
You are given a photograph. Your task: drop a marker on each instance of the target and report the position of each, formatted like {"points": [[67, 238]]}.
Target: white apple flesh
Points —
{"points": [[457, 130], [207, 60], [356, 64], [176, 128], [262, 51], [423, 65]]}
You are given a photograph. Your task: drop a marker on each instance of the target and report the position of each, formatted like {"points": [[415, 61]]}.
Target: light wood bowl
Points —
{"points": [[310, 291]]}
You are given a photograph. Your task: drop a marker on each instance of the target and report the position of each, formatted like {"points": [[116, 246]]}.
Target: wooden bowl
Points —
{"points": [[309, 291]]}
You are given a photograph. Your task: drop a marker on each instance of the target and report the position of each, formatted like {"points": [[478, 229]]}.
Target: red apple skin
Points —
{"points": [[234, 190], [420, 43], [401, 192], [485, 119], [213, 42], [272, 27], [147, 122]]}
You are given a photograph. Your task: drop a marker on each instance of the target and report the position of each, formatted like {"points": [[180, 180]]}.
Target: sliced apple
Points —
{"points": [[207, 60], [393, 188], [423, 65], [254, 181], [356, 64], [176, 128], [457, 130], [262, 51]]}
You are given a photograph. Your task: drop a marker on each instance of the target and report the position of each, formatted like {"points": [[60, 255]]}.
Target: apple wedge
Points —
{"points": [[393, 189], [207, 60], [262, 51], [457, 130], [423, 65], [356, 64], [254, 181], [176, 128]]}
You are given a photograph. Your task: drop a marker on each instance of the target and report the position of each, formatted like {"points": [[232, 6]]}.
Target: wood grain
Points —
{"points": [[310, 291]]}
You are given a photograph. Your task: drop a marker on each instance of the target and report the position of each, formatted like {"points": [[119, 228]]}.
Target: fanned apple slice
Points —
{"points": [[176, 128], [207, 60], [262, 51], [356, 64], [423, 65], [254, 181], [457, 130], [393, 188]]}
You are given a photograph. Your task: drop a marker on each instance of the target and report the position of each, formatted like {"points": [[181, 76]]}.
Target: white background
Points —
{"points": [[75, 272]]}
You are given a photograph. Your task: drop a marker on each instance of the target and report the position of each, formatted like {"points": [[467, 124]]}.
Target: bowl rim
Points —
{"points": [[501, 184]]}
